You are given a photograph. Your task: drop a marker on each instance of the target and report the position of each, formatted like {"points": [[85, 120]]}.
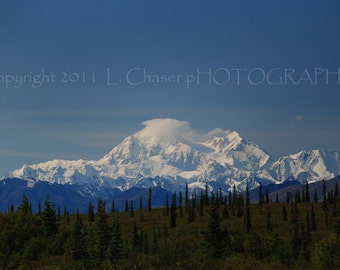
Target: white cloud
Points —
{"points": [[218, 133], [298, 118], [165, 129], [170, 130]]}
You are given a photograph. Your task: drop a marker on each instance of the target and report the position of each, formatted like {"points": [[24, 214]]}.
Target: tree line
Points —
{"points": [[190, 231]]}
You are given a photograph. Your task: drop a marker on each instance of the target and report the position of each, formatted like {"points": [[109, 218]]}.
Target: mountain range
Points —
{"points": [[168, 153]]}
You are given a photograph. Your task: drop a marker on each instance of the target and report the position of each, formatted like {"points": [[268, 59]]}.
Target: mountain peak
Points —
{"points": [[307, 165], [174, 153]]}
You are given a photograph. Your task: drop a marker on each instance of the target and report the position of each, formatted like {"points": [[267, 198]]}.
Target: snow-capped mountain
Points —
{"points": [[168, 153], [58, 171], [238, 152], [307, 165]]}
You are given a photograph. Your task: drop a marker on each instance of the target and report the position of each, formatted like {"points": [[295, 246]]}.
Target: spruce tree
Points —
{"points": [[116, 249], [288, 197], [180, 199], [267, 197], [325, 202], [190, 219], [306, 239], [284, 213], [217, 200], [334, 207], [186, 197], [307, 193], [234, 195], [173, 214], [214, 238], [58, 214], [49, 218], [201, 204], [335, 200], [67, 216], [77, 239], [297, 197], [131, 212], [180, 202], [239, 205], [260, 195], [194, 200], [247, 218], [292, 208], [102, 231], [174, 199], [166, 210], [336, 224], [193, 203], [330, 196], [303, 199], [141, 216], [315, 197], [126, 208], [140, 204], [39, 208], [230, 199], [191, 211], [113, 209], [221, 196], [90, 213], [24, 208], [150, 200], [296, 239], [225, 213], [206, 195]]}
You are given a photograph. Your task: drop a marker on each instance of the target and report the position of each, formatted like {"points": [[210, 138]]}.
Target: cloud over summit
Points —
{"points": [[171, 130]]}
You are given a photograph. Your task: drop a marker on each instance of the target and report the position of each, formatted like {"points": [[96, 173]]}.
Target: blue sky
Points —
{"points": [[71, 120]]}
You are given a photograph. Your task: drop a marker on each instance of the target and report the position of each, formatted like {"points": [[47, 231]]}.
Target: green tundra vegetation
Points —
{"points": [[199, 231]]}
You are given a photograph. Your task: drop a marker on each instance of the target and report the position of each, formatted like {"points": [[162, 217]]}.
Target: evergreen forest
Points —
{"points": [[193, 230]]}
